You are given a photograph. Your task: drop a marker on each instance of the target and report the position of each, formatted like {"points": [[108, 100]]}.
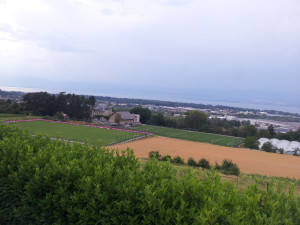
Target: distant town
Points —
{"points": [[282, 121], [105, 106]]}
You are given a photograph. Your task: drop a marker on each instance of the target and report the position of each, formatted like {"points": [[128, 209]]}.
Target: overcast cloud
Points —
{"points": [[212, 45]]}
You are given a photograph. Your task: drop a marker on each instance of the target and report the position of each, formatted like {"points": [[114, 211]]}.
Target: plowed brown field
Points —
{"points": [[249, 161]]}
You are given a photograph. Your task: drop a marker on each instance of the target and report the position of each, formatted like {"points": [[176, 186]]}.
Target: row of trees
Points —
{"points": [[197, 120], [227, 166], [7, 106], [193, 119], [45, 104]]}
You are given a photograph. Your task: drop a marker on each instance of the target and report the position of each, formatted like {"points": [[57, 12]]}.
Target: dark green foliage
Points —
{"points": [[290, 136], [263, 133], [204, 163], [249, 130], [157, 119], [145, 113], [166, 158], [271, 130], [268, 147], [6, 106], [178, 160], [191, 162], [218, 167], [251, 142], [228, 167], [45, 104], [154, 154], [51, 182], [196, 119]]}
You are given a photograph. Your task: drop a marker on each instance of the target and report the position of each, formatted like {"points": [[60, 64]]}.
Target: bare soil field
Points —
{"points": [[249, 161]]}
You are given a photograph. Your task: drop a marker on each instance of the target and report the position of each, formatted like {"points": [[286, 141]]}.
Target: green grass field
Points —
{"points": [[77, 132], [7, 117], [191, 135]]}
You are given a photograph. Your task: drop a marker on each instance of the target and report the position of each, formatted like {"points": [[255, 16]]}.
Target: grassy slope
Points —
{"points": [[75, 132], [191, 135], [243, 181], [7, 117]]}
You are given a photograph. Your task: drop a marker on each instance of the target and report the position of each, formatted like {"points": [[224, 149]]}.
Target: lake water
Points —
{"points": [[280, 103]]}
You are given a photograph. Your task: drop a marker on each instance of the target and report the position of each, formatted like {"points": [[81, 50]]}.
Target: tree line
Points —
{"points": [[199, 121], [45, 104], [7, 106]]}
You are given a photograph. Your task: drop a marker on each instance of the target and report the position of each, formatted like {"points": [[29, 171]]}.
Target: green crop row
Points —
{"points": [[227, 167], [44, 181]]}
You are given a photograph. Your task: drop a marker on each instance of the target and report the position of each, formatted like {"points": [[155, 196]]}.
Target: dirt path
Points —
{"points": [[249, 161]]}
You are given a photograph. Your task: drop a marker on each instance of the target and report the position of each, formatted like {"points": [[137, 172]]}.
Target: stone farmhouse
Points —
{"points": [[124, 118]]}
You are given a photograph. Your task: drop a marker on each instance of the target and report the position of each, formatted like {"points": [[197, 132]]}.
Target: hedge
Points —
{"points": [[44, 181]]}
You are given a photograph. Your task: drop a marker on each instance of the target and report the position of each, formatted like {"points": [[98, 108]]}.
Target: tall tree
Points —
{"points": [[145, 113], [250, 130], [196, 119], [157, 119], [271, 130], [40, 103], [251, 142]]}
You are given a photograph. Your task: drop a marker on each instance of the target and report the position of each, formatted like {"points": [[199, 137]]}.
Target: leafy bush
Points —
{"points": [[192, 162], [204, 163], [154, 154], [166, 158], [268, 147], [251, 142], [178, 160], [50, 182], [230, 168], [218, 167]]}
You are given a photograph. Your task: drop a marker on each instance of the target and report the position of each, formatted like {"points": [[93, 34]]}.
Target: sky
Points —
{"points": [[191, 50]]}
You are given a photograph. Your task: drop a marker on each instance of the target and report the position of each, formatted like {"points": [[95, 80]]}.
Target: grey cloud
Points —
{"points": [[47, 41], [174, 2], [6, 28], [106, 11]]}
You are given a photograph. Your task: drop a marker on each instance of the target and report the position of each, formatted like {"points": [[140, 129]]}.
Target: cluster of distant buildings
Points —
{"points": [[123, 118], [228, 114]]}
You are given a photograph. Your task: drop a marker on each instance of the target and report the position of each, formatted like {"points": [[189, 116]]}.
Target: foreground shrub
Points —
{"points": [[154, 154], [192, 162], [204, 163], [51, 182], [178, 160]]}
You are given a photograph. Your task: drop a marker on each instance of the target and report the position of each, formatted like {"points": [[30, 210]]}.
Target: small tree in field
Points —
{"points": [[166, 158], [230, 168], [178, 160], [191, 162], [204, 163], [154, 154], [268, 147], [251, 142]]}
